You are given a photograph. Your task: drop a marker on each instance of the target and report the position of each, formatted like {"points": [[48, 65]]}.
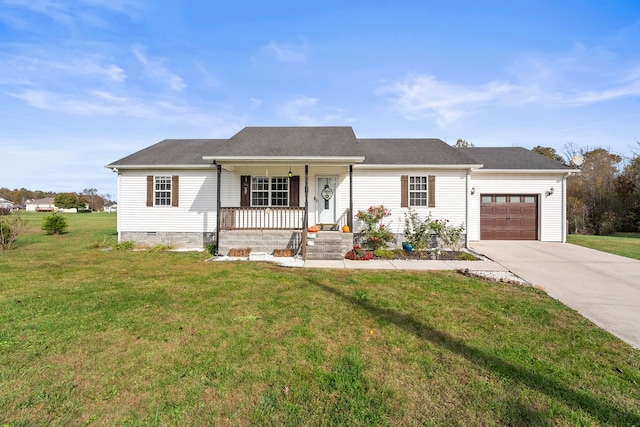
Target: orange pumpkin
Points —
{"points": [[313, 229], [345, 228]]}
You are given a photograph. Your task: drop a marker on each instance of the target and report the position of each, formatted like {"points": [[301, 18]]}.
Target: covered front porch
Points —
{"points": [[278, 203]]}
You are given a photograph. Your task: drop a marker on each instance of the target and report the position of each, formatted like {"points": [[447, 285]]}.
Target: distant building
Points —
{"points": [[5, 204], [40, 205]]}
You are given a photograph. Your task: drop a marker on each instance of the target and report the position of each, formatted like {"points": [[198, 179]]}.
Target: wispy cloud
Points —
{"points": [[156, 69], [422, 96], [69, 13], [288, 52], [307, 111], [104, 103]]}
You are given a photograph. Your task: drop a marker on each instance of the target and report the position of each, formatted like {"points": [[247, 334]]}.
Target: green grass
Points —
{"points": [[623, 244], [90, 336]]}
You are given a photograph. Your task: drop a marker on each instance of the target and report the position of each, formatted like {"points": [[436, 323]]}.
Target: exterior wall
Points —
{"points": [[193, 222], [230, 185], [259, 240], [194, 218], [174, 239], [550, 208], [382, 187]]}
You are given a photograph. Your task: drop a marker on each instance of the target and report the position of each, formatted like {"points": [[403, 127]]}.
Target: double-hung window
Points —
{"points": [[269, 191], [418, 195], [162, 191], [418, 190]]}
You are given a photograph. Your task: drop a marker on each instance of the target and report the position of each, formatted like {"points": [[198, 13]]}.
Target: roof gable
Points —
{"points": [[325, 141]]}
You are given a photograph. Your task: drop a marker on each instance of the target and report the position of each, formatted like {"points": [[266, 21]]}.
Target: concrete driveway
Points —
{"points": [[602, 287]]}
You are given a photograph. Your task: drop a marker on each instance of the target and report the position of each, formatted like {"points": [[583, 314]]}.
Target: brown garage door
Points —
{"points": [[508, 217]]}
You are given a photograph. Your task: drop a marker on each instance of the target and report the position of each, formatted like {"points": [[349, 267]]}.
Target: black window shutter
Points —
{"points": [[404, 191], [149, 190], [245, 190], [294, 191], [432, 191]]}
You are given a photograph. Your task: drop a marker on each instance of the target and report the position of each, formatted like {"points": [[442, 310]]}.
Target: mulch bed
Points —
{"points": [[427, 255]]}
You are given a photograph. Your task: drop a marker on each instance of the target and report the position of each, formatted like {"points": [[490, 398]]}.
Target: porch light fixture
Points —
{"points": [[550, 191], [473, 190], [290, 174]]}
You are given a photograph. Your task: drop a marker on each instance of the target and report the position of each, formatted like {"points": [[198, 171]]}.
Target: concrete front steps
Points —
{"points": [[329, 245]]}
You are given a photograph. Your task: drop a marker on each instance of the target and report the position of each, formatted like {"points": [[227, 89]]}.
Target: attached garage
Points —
{"points": [[508, 217]]}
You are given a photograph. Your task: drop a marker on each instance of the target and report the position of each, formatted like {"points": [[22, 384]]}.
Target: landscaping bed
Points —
{"points": [[441, 255]]}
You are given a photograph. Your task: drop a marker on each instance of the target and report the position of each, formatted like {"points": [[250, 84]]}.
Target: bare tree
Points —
{"points": [[11, 226]]}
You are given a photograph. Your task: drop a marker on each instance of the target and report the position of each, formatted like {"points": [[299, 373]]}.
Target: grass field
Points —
{"points": [[623, 244], [90, 336]]}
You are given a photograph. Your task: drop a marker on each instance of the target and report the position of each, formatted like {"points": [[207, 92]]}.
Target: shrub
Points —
{"points": [[385, 253], [211, 247], [466, 256], [376, 234], [6, 231], [5, 211], [10, 227], [449, 235], [357, 253], [125, 245], [54, 224], [417, 231]]}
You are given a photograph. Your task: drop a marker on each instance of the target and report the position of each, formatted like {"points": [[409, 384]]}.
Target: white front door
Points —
{"points": [[326, 199]]}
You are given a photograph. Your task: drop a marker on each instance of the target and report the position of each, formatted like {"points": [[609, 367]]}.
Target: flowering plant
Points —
{"points": [[418, 232], [376, 234], [357, 253]]}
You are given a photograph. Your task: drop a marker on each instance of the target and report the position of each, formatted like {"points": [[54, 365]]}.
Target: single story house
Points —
{"points": [[264, 186], [40, 205], [110, 207], [5, 204]]}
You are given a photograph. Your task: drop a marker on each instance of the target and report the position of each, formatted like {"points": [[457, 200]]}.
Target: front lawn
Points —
{"points": [[623, 244], [115, 337]]}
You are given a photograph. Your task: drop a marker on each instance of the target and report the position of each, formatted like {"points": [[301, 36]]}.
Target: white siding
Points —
{"points": [[550, 208], [195, 212], [230, 185], [373, 187]]}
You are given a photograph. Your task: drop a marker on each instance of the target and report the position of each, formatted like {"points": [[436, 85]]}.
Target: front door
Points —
{"points": [[326, 199]]}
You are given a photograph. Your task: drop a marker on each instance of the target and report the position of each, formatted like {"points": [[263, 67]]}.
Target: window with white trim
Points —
{"points": [[269, 191], [418, 195], [162, 191]]}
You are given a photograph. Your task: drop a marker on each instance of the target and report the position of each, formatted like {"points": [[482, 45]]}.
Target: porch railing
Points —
{"points": [[251, 218]]}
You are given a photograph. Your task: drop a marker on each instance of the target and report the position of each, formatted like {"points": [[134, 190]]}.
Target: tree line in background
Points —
{"points": [[605, 197], [87, 199]]}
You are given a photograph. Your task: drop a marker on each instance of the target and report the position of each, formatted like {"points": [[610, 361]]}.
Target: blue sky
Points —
{"points": [[86, 82]]}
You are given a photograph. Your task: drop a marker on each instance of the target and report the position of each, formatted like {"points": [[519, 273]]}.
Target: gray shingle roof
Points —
{"points": [[427, 151], [511, 158], [327, 141], [292, 142], [178, 152]]}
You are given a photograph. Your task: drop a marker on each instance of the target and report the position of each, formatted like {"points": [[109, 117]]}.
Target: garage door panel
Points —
{"points": [[508, 217]]}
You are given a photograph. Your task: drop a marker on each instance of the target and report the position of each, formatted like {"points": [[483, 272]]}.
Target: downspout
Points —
{"points": [[350, 217], [305, 222], [565, 230], [467, 207], [219, 168]]}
